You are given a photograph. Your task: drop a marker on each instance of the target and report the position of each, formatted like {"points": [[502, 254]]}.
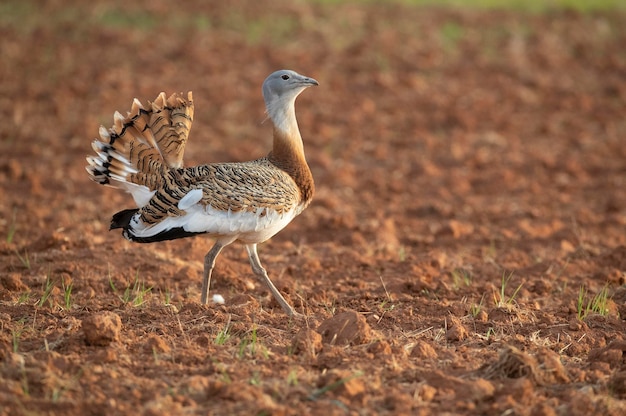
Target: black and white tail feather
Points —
{"points": [[135, 153]]}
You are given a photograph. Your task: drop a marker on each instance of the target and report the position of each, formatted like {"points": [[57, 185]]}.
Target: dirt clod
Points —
{"points": [[617, 384], [379, 348], [551, 366], [156, 344], [101, 329], [13, 282], [307, 342], [342, 382], [456, 331], [513, 363], [423, 351], [345, 328], [613, 354]]}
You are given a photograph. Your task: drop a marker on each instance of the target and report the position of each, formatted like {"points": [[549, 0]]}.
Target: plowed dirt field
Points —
{"points": [[465, 252]]}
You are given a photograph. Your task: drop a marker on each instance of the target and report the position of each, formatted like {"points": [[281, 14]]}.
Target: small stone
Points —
{"points": [[217, 298]]}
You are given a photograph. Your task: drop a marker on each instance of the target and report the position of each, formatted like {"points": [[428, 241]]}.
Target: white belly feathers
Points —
{"points": [[245, 226]]}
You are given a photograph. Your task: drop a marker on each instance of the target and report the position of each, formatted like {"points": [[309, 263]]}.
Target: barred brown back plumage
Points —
{"points": [[237, 187]]}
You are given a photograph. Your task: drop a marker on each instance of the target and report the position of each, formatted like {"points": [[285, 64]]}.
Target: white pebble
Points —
{"points": [[218, 299]]}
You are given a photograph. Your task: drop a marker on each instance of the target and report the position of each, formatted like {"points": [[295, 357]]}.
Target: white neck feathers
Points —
{"points": [[282, 112]]}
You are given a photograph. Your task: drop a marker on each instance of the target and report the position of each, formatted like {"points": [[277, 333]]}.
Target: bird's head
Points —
{"points": [[282, 87]]}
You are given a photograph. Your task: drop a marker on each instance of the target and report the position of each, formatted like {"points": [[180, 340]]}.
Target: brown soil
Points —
{"points": [[452, 151]]}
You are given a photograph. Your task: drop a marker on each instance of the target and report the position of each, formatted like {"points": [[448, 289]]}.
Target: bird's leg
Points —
{"points": [[209, 263], [260, 271]]}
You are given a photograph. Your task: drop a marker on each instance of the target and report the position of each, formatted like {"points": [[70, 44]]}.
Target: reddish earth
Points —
{"points": [[452, 151]]}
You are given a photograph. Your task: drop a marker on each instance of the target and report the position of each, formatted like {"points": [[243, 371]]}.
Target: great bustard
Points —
{"points": [[248, 202]]}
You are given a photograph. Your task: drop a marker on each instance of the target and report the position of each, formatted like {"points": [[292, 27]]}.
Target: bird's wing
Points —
{"points": [[220, 199], [247, 186]]}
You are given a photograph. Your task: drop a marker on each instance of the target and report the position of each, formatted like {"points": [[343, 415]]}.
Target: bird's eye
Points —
{"points": [[285, 77]]}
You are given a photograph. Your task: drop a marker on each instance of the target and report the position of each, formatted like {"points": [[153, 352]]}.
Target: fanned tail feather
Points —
{"points": [[135, 153], [122, 218]]}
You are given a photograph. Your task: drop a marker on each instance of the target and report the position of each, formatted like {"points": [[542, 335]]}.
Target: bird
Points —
{"points": [[246, 202]]}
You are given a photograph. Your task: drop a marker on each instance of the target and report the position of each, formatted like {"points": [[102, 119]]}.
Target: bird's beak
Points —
{"points": [[309, 82]]}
